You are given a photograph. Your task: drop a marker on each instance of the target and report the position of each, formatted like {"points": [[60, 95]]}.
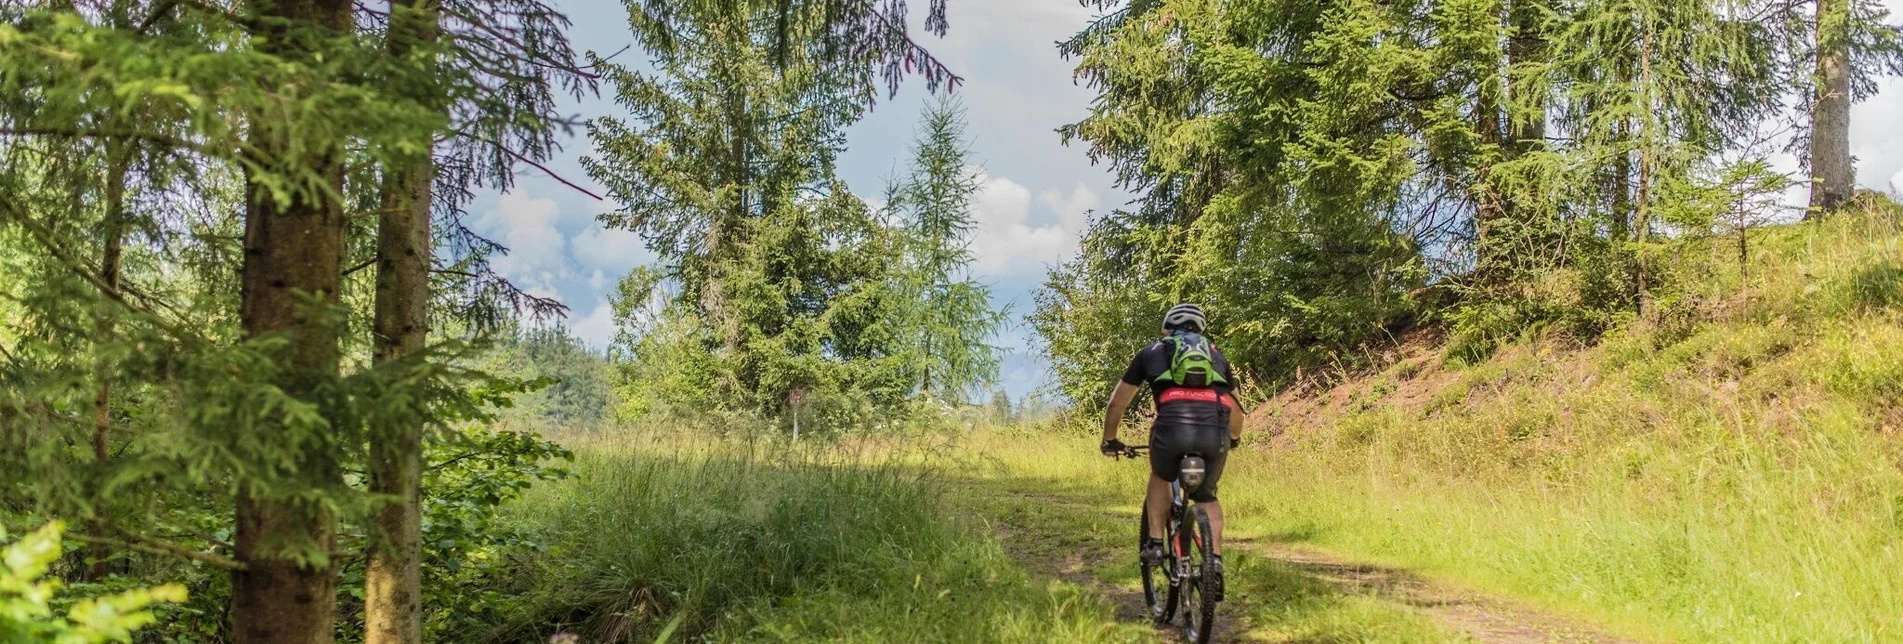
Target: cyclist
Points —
{"points": [[1196, 413]]}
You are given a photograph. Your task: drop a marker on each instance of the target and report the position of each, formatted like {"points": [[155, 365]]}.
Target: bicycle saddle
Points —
{"points": [[1193, 470]]}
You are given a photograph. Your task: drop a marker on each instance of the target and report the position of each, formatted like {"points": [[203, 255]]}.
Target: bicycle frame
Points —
{"points": [[1172, 531]]}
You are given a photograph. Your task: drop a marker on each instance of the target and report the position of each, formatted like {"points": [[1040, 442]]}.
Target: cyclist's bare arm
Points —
{"points": [[1119, 402], [1235, 423]]}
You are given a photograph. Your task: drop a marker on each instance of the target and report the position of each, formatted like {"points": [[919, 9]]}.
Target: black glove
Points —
{"points": [[1112, 447], [1235, 443]]}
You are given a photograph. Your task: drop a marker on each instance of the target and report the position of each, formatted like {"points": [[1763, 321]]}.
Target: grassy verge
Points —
{"points": [[729, 542]]}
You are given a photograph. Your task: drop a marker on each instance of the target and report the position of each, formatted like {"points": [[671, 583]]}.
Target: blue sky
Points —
{"points": [[1035, 194]]}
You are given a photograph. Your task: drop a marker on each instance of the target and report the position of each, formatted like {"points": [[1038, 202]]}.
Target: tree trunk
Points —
{"points": [[1489, 209], [118, 163], [393, 575], [393, 582], [1832, 178], [293, 245], [1527, 45]]}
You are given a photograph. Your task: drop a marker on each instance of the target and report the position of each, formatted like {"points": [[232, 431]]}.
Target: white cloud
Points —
{"points": [[1006, 242], [1896, 183], [1073, 210], [1876, 136], [598, 329], [614, 250], [537, 259]]}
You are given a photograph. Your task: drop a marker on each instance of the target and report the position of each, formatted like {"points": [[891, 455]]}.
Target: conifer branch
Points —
{"points": [[159, 139], [360, 266], [153, 18], [156, 547], [531, 162], [44, 238]]}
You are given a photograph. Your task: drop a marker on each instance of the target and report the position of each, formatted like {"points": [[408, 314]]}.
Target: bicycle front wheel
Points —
{"points": [[1199, 590], [1159, 589]]}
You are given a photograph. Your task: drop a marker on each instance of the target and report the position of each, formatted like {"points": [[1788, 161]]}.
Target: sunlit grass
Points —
{"points": [[733, 542]]}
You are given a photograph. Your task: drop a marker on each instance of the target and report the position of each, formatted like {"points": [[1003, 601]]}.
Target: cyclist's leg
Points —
{"points": [[1214, 510], [1166, 454], [1213, 446], [1157, 501]]}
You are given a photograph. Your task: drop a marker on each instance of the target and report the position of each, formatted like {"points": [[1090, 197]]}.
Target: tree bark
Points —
{"points": [[393, 576], [1489, 208], [1832, 177], [393, 582], [1527, 45], [118, 163], [292, 269]]}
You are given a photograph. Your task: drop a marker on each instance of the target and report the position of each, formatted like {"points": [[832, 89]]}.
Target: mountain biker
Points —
{"points": [[1203, 420]]}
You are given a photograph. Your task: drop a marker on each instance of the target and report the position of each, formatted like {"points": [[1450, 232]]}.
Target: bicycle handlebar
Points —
{"points": [[1133, 451]]}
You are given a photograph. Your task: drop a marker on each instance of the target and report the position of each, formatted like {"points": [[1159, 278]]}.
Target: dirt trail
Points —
{"points": [[1039, 531], [1485, 619]]}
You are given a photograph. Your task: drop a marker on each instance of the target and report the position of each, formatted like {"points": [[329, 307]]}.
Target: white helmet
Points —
{"points": [[1185, 315]]}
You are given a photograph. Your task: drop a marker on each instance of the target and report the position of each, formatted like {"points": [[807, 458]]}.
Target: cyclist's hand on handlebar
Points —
{"points": [[1112, 448]]}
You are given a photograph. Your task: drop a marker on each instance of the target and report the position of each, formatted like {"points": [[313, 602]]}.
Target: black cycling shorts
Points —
{"points": [[1170, 443]]}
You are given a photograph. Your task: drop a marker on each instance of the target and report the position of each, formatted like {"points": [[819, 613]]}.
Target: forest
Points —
{"points": [[1528, 305]]}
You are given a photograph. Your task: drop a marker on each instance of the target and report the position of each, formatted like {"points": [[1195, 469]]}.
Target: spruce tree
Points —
{"points": [[951, 318], [725, 169], [229, 157]]}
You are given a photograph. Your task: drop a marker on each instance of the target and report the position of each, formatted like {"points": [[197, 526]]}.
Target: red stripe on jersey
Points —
{"points": [[1175, 394]]}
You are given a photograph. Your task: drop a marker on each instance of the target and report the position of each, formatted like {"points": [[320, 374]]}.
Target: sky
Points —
{"points": [[1035, 194]]}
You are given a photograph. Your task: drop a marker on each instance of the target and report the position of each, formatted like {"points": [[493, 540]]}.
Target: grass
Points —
{"points": [[1731, 478], [685, 539]]}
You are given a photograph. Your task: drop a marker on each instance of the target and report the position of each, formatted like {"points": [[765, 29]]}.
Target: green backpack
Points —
{"points": [[1194, 363]]}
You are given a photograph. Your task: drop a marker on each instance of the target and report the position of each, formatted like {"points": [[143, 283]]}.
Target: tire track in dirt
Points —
{"points": [[1073, 565], [1489, 620]]}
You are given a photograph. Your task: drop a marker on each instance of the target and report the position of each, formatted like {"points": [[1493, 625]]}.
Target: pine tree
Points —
{"points": [[726, 171], [950, 317], [255, 133]]}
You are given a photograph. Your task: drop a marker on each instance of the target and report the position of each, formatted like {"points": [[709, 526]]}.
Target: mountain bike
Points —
{"points": [[1186, 538]]}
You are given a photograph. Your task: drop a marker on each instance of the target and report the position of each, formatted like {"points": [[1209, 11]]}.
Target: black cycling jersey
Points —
{"points": [[1198, 407], [1188, 420]]}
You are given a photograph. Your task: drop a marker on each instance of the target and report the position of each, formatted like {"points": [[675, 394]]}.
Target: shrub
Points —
{"points": [[26, 599]]}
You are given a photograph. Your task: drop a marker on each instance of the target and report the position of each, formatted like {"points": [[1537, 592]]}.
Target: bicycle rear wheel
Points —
{"points": [[1199, 591], [1159, 592]]}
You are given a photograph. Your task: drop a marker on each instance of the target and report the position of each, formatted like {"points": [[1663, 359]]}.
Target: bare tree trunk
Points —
{"points": [[393, 575], [1487, 204], [1744, 249], [293, 246], [1832, 177], [1642, 225], [118, 163], [393, 578], [1527, 45]]}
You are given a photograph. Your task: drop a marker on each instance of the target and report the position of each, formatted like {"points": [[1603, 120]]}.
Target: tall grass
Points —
{"points": [[1727, 476], [729, 541]]}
